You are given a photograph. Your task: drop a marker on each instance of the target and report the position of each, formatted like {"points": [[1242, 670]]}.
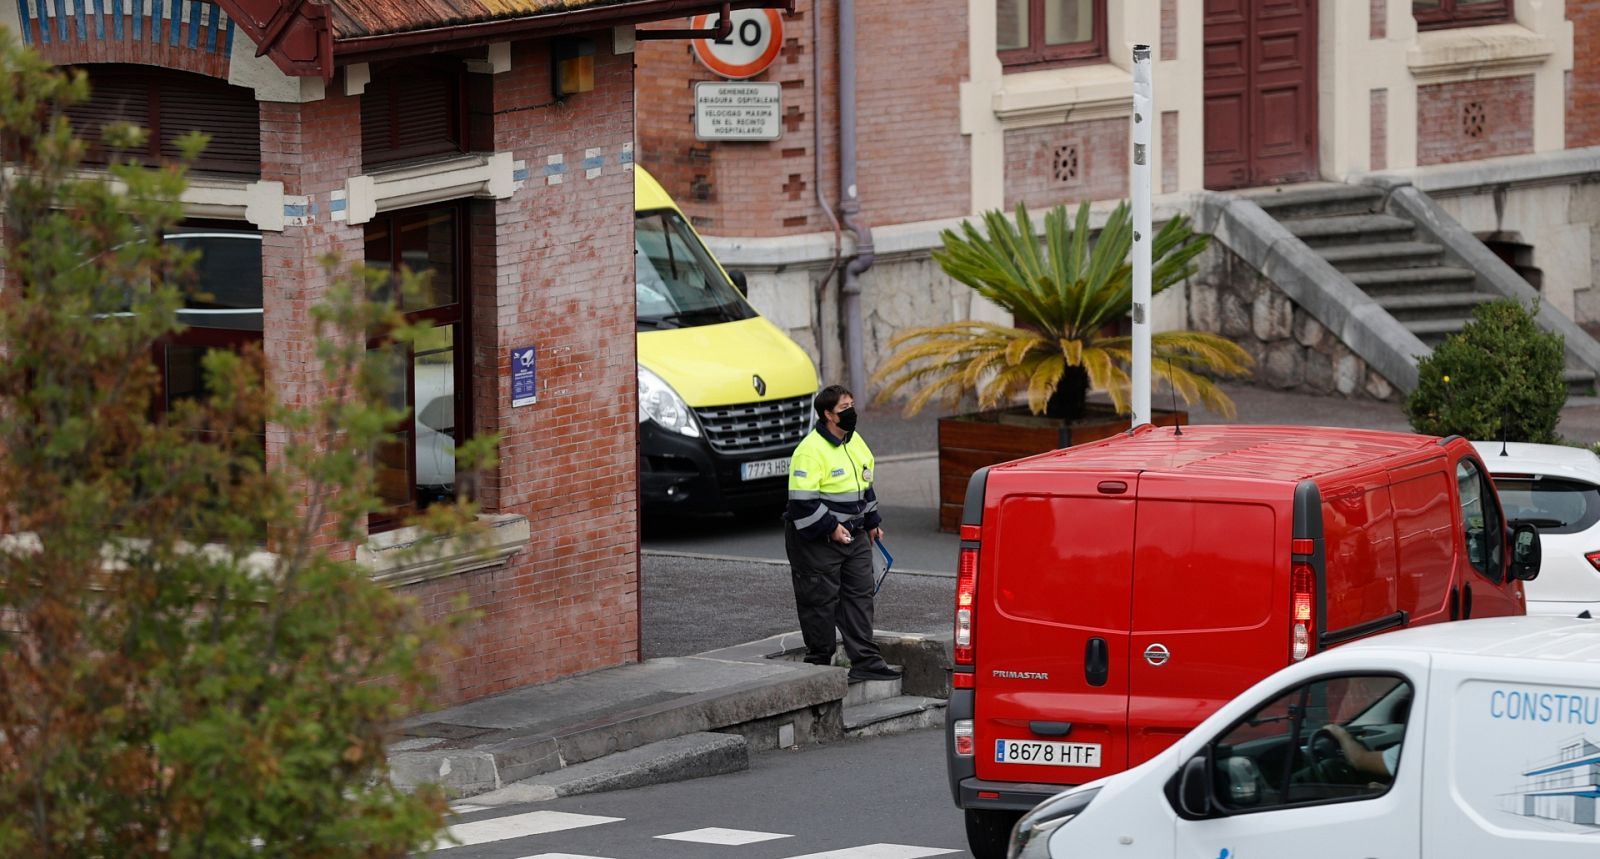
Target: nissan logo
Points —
{"points": [[1157, 654], [759, 384]]}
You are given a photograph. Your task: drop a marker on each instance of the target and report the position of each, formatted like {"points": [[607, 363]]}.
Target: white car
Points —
{"points": [[1557, 489]]}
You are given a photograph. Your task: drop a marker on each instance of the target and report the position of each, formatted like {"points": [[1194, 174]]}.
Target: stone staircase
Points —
{"points": [[878, 707], [1387, 257]]}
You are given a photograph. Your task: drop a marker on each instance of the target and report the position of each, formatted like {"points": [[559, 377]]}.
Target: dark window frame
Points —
{"points": [[1494, 523], [457, 315], [153, 117], [1038, 55], [389, 83], [1451, 14]]}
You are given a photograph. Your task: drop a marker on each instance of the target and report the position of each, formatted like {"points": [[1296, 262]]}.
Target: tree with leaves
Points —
{"points": [[1499, 377], [187, 666], [1068, 293]]}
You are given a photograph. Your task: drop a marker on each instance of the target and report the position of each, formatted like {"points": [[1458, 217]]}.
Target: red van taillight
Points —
{"points": [[966, 602], [1303, 583]]}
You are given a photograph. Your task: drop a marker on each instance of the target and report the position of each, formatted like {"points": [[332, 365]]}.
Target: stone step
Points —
{"points": [[1403, 281], [1378, 256], [689, 756], [1580, 382], [1435, 331], [862, 692], [1418, 306], [1350, 229], [893, 715], [1316, 199]]}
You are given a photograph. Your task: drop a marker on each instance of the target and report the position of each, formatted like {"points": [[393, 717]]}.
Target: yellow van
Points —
{"points": [[724, 396]]}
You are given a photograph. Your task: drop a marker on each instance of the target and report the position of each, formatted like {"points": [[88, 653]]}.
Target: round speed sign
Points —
{"points": [[748, 50]]}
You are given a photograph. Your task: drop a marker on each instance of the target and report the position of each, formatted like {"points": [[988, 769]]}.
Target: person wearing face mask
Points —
{"points": [[829, 526]]}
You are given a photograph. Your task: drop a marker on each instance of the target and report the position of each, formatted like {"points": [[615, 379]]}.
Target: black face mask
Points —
{"points": [[847, 419]]}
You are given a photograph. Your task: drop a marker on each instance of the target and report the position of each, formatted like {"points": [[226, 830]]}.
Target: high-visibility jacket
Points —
{"points": [[830, 483]]}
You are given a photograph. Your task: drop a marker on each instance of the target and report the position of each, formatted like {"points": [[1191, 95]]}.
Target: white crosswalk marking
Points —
{"points": [[467, 808], [879, 851], [518, 826], [726, 837], [562, 856]]}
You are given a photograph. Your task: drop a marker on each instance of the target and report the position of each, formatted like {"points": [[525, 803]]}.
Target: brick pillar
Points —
{"points": [[311, 148]]}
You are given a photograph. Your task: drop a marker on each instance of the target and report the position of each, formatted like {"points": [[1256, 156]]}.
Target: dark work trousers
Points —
{"points": [[833, 587]]}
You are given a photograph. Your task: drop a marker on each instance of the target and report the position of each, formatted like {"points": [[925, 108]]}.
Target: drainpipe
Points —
{"points": [[850, 204], [822, 199]]}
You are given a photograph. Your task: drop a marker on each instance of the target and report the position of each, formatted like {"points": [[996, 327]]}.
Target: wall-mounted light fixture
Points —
{"points": [[571, 66]]}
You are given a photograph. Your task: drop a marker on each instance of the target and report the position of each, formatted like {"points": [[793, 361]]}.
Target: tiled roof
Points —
{"points": [[354, 18]]}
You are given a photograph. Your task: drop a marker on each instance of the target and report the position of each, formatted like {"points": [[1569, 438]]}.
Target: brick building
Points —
{"points": [[391, 133], [971, 105]]}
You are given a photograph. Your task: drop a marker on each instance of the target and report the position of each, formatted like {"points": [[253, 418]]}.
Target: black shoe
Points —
{"points": [[819, 660], [882, 672]]}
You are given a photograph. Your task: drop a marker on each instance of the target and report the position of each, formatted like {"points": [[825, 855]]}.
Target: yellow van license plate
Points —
{"points": [[1047, 754], [764, 468]]}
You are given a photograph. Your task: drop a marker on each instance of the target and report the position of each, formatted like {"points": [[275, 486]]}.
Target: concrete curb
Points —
{"points": [[690, 756]]}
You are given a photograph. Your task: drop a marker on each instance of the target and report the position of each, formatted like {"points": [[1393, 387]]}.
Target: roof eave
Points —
{"points": [[298, 35]]}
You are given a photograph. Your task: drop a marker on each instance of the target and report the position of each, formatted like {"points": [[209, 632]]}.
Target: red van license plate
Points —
{"points": [[1047, 754]]}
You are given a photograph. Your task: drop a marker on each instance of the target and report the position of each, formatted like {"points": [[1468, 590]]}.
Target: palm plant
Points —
{"points": [[1064, 297]]}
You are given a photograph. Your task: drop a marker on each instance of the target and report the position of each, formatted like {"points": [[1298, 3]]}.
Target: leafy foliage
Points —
{"points": [[1499, 377], [1065, 296], [167, 686]]}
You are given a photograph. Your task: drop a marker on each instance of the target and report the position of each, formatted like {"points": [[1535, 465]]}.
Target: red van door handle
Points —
{"points": [[1455, 603], [1096, 662], [1466, 602]]}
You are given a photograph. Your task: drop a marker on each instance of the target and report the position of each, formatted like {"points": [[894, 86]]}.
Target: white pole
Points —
{"points": [[1142, 100]]}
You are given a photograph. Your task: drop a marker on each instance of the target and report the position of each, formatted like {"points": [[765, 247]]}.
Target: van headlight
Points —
{"points": [[659, 403], [1030, 839]]}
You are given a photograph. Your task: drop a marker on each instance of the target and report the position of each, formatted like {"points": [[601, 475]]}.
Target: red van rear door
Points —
{"points": [[1210, 601], [1051, 636]]}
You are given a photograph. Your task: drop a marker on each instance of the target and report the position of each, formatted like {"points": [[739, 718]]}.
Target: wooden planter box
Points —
{"points": [[971, 441]]}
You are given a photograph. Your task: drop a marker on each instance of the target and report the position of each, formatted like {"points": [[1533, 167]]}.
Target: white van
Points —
{"points": [[1478, 738]]}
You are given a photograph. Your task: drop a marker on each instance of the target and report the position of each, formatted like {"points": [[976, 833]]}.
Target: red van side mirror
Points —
{"points": [[1526, 552]]}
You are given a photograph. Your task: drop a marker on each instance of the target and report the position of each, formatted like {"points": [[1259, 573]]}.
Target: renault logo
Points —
{"points": [[760, 385]]}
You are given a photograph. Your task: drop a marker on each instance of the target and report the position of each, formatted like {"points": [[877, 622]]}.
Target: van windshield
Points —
{"points": [[677, 283]]}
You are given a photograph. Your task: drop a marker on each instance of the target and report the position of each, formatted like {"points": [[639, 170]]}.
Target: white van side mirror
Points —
{"points": [[1194, 788], [1526, 552]]}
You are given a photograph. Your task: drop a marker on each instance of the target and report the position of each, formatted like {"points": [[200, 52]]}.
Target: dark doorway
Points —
{"points": [[1260, 92]]}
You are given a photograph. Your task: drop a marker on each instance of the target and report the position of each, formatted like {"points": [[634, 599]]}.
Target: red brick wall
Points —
{"points": [[912, 160], [1378, 20], [1474, 119], [1169, 29], [1379, 123], [311, 148], [92, 48], [1169, 151], [1583, 82], [553, 269], [1067, 163]]}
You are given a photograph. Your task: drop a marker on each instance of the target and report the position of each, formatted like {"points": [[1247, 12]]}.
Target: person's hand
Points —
{"points": [[841, 535], [877, 533]]}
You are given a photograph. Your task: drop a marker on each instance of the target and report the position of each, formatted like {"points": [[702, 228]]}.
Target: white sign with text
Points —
{"points": [[738, 111]]}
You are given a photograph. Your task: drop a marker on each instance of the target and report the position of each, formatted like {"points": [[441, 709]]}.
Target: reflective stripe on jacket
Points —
{"points": [[830, 482]]}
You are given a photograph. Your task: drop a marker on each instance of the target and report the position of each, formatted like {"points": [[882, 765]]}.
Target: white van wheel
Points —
{"points": [[989, 832]]}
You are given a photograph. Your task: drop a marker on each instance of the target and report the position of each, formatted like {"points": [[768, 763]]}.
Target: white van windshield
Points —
{"points": [[677, 284]]}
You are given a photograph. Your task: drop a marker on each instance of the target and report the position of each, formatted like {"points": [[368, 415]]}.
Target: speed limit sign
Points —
{"points": [[748, 50]]}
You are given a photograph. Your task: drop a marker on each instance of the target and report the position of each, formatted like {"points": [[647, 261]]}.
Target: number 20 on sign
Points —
{"points": [[748, 50]]}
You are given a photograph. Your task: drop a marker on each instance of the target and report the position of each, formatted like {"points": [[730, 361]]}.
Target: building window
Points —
{"points": [[1439, 14], [413, 113], [1050, 32], [416, 467], [169, 104]]}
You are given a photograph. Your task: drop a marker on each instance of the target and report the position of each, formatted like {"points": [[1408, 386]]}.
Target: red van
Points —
{"points": [[1113, 595]]}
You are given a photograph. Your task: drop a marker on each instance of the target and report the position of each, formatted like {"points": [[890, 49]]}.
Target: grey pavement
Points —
{"points": [[555, 738]]}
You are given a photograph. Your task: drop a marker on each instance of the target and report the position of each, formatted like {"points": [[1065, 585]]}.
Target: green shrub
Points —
{"points": [[1500, 377]]}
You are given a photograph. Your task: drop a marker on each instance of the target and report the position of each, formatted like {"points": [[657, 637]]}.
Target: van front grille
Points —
{"points": [[749, 427]]}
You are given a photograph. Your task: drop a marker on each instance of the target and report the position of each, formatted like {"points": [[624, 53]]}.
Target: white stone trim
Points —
{"points": [[483, 176], [1071, 94], [356, 78], [1477, 53], [405, 557], [262, 75], [496, 61], [623, 40]]}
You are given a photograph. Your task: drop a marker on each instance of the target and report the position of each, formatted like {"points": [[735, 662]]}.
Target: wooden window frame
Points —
{"points": [[457, 315], [1450, 15], [1038, 55], [153, 81], [459, 135]]}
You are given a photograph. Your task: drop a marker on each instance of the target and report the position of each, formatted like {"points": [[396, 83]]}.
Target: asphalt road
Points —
{"points": [[875, 798], [692, 605]]}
